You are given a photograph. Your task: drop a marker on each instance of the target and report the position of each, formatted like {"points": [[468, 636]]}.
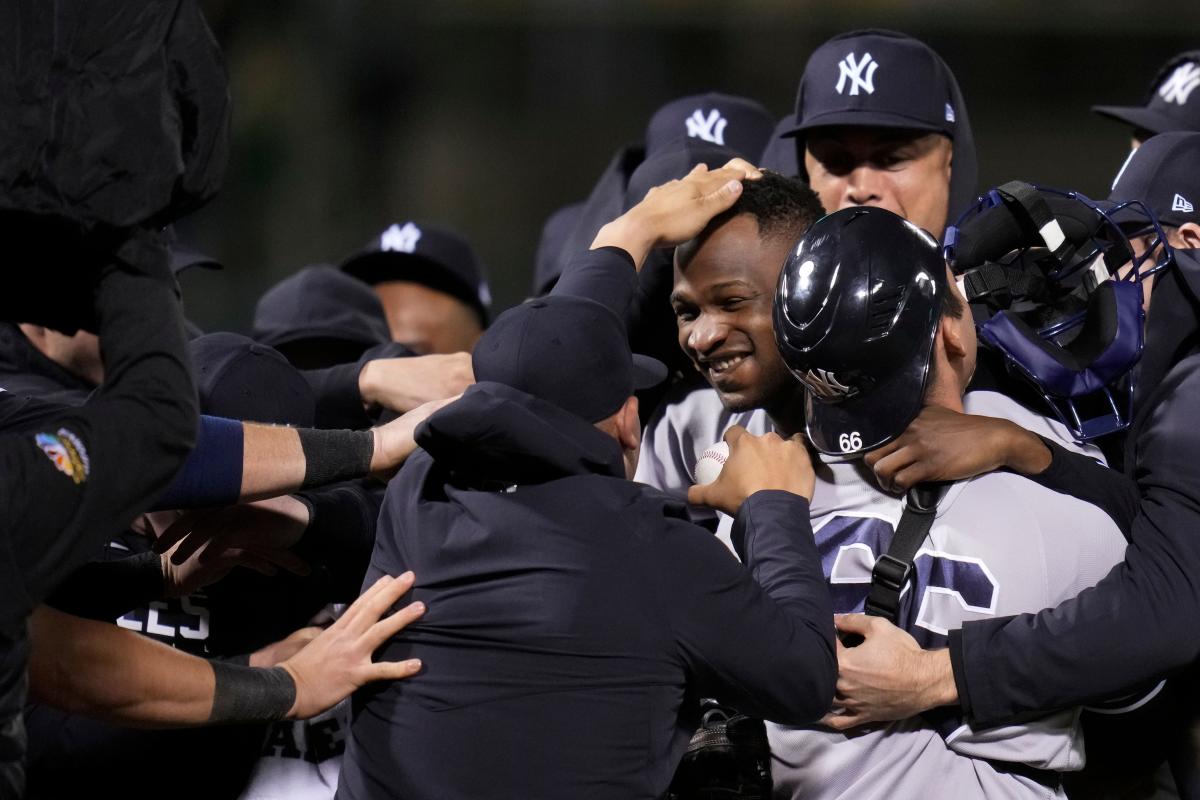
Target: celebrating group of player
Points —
{"points": [[949, 552]]}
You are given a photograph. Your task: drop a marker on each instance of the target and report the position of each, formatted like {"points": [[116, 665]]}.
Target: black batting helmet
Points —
{"points": [[855, 316]]}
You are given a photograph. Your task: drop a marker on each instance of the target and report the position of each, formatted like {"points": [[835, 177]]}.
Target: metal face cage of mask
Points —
{"points": [[1043, 271]]}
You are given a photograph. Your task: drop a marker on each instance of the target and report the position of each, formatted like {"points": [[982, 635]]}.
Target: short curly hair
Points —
{"points": [[782, 206]]}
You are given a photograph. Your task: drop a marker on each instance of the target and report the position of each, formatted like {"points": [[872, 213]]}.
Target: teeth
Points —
{"points": [[725, 364]]}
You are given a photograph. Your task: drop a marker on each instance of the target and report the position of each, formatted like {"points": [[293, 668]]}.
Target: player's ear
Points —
{"points": [[1187, 236], [950, 334], [629, 425]]}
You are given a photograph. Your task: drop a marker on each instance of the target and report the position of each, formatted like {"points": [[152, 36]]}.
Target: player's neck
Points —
{"points": [[787, 412], [946, 394]]}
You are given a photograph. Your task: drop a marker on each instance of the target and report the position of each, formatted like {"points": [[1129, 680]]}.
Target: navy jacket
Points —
{"points": [[1140, 623], [85, 473], [571, 615]]}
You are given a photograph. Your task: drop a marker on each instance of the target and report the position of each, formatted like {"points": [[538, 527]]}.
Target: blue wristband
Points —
{"points": [[212, 474]]}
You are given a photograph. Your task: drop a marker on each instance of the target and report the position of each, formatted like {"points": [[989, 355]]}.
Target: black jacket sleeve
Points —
{"points": [[1136, 625], [606, 275], [338, 402], [1080, 476], [82, 476], [759, 636], [341, 534], [105, 590]]}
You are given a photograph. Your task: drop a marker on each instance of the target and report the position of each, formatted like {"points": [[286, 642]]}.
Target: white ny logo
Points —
{"points": [[848, 68], [825, 384], [1178, 87], [710, 129], [400, 239]]}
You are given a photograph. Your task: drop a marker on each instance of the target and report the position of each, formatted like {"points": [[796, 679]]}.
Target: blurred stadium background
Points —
{"points": [[489, 115]]}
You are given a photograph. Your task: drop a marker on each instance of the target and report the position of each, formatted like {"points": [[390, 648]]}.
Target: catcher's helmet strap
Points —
{"points": [[1029, 200], [893, 569]]}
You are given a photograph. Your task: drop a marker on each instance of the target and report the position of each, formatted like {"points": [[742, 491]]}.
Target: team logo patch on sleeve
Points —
{"points": [[67, 452]]}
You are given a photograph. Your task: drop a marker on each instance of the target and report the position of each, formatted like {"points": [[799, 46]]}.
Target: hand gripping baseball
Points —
{"points": [[757, 463]]}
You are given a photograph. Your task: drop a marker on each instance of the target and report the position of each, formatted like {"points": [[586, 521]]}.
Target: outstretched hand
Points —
{"points": [[886, 677], [757, 463], [339, 660], [396, 441], [403, 384], [198, 548], [678, 210], [945, 445]]}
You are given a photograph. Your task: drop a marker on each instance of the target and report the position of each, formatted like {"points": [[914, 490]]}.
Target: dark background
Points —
{"points": [[487, 116]]}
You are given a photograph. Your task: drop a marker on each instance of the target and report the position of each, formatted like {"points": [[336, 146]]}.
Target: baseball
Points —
{"points": [[710, 463]]}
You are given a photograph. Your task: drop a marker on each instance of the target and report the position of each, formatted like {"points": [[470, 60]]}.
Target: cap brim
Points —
{"points": [[870, 119], [183, 259], [859, 424], [274, 338], [647, 372], [1142, 118]]}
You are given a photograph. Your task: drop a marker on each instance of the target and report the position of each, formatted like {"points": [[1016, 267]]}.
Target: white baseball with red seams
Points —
{"points": [[712, 460]]}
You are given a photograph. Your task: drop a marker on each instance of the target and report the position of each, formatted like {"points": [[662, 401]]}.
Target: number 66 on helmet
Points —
{"points": [[856, 312]]}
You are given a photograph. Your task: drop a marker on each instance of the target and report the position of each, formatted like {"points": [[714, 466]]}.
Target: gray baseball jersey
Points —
{"points": [[1000, 544]]}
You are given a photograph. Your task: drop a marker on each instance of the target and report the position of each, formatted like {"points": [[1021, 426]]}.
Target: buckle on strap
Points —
{"points": [[890, 572]]}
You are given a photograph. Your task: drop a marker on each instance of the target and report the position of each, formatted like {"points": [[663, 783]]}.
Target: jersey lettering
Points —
{"points": [[947, 589], [181, 623]]}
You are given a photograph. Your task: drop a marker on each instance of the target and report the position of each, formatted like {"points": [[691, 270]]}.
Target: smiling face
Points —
{"points": [[724, 290], [906, 172]]}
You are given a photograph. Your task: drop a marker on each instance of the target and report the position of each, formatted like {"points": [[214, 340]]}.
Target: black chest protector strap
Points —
{"points": [[893, 569]]}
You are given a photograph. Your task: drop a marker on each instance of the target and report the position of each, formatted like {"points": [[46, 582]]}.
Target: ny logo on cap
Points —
{"points": [[1178, 87], [849, 68], [403, 240], [824, 384], [710, 128], [1180, 203]]}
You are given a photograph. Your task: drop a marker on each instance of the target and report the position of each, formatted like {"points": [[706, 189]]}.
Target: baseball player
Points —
{"points": [[1138, 624], [869, 322], [559, 641], [432, 285], [880, 121], [1173, 103]]}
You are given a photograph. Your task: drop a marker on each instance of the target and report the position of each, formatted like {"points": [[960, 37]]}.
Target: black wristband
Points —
{"points": [[250, 694], [331, 456]]}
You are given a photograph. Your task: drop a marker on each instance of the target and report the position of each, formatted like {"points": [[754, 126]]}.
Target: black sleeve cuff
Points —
{"points": [[105, 590], [340, 533], [958, 665], [338, 401], [785, 505]]}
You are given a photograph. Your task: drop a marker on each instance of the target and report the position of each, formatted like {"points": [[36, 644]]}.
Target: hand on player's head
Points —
{"points": [[678, 210], [757, 463]]}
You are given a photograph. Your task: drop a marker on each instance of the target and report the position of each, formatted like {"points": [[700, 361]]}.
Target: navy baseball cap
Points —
{"points": [[1174, 103], [425, 254], [876, 78], [738, 123], [319, 302], [781, 154], [566, 350], [239, 378], [1164, 175]]}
